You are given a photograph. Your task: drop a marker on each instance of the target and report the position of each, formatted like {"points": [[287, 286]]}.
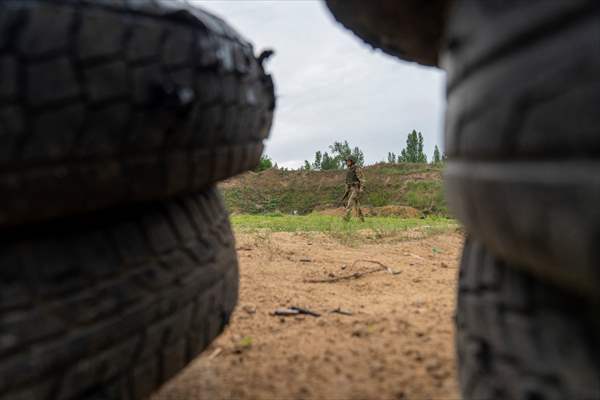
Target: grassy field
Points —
{"points": [[374, 228]]}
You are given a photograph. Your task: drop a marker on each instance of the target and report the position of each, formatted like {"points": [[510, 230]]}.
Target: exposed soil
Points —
{"points": [[396, 344]]}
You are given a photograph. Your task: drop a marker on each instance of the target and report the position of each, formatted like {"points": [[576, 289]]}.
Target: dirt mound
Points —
{"points": [[385, 211]]}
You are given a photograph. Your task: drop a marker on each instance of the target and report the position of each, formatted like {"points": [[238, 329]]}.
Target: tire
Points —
{"points": [[522, 133], [113, 306], [106, 103], [410, 30], [520, 338]]}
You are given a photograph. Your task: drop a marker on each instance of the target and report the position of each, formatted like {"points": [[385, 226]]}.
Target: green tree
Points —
{"points": [[413, 152], [335, 159], [340, 151], [359, 157], [265, 163], [318, 159], [436, 155], [391, 158], [329, 163], [307, 166]]}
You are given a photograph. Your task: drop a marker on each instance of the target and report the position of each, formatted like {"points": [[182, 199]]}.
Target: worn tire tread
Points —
{"points": [[111, 102], [521, 338], [112, 307]]}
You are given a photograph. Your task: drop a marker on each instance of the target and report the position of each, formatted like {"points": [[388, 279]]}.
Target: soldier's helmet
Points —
{"points": [[351, 159]]}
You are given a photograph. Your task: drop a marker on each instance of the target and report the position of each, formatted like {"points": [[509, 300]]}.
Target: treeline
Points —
{"points": [[340, 151], [334, 158], [413, 152]]}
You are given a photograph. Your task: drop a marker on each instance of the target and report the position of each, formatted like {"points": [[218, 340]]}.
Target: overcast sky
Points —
{"points": [[333, 87]]}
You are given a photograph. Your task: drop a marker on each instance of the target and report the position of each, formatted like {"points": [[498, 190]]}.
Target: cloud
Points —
{"points": [[331, 86]]}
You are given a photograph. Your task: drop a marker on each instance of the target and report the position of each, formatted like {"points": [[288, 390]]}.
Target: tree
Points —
{"points": [[317, 163], [359, 157], [307, 166], [341, 151], [436, 156], [413, 153], [328, 162], [391, 158], [265, 163]]}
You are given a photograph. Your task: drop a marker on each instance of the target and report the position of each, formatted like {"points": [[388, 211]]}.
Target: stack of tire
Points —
{"points": [[117, 261], [522, 137]]}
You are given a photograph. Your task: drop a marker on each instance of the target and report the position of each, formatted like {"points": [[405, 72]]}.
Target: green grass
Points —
{"points": [[426, 196], [326, 223]]}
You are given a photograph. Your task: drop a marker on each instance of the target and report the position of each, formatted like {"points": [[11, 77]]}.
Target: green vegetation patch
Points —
{"points": [[325, 223], [427, 196]]}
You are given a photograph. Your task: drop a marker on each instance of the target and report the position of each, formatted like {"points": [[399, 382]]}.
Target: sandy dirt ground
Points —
{"points": [[398, 342]]}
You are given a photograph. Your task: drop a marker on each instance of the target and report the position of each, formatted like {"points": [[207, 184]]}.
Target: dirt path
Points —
{"points": [[397, 344]]}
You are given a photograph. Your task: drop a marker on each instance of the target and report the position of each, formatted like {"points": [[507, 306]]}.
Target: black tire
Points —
{"points": [[522, 133], [411, 29], [520, 338], [112, 306], [111, 102]]}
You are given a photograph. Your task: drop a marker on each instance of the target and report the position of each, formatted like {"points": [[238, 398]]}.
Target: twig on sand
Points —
{"points": [[215, 353], [417, 257], [356, 275], [306, 311], [285, 312], [342, 311], [295, 311]]}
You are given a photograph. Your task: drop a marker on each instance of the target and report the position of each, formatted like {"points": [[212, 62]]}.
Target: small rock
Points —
{"points": [[360, 332], [418, 303], [444, 265], [249, 308]]}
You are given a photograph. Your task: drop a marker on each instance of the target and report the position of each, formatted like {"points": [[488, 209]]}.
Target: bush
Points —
{"points": [[265, 163]]}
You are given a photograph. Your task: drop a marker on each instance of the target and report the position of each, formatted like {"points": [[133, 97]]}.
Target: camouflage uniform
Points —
{"points": [[354, 188]]}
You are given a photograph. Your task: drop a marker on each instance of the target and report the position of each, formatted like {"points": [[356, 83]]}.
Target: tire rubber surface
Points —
{"points": [[113, 306], [520, 338], [409, 29], [110, 102], [522, 133]]}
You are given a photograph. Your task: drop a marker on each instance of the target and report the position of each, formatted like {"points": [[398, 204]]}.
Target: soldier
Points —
{"points": [[354, 188]]}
